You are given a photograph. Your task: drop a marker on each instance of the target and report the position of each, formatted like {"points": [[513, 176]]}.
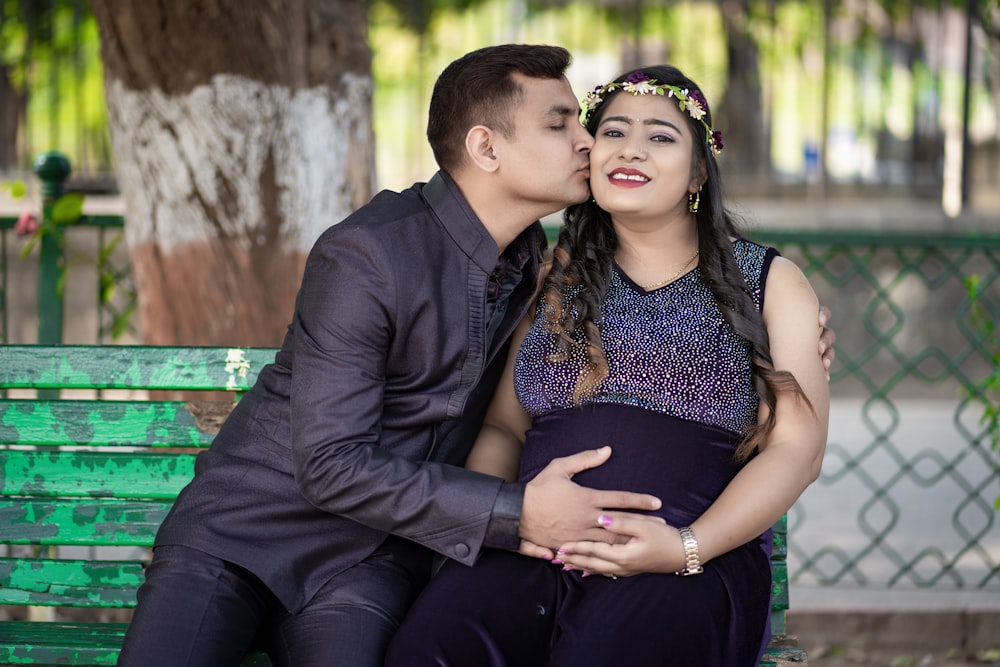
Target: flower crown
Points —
{"points": [[638, 83]]}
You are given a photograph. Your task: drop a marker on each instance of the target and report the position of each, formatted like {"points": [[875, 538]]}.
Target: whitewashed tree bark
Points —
{"points": [[240, 131]]}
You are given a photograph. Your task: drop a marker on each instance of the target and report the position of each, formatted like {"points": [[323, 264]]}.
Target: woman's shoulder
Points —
{"points": [[753, 258], [746, 247]]}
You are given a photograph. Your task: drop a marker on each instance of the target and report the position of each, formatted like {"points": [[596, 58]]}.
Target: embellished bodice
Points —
{"points": [[669, 350]]}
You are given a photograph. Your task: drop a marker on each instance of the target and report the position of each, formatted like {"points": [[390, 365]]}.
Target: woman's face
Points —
{"points": [[641, 162]]}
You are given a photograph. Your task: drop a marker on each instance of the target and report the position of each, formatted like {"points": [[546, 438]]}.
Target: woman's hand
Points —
{"points": [[652, 546]]}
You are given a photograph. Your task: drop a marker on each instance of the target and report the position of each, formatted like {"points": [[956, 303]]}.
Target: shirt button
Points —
{"points": [[461, 550]]}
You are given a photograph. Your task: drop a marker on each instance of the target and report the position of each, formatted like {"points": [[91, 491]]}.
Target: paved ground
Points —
{"points": [[898, 638], [840, 657]]}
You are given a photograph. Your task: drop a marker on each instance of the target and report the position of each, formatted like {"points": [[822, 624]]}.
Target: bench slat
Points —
{"points": [[131, 367], [24, 643], [94, 474], [779, 539], [99, 423], [783, 656], [69, 583], [81, 522]]}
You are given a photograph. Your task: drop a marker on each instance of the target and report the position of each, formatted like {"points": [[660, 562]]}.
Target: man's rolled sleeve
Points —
{"points": [[503, 529]]}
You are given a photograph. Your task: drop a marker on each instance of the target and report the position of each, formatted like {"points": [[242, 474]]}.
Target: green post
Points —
{"points": [[52, 169]]}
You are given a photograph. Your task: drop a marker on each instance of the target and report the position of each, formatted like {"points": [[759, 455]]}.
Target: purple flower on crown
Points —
{"points": [[717, 141], [638, 83], [699, 98]]}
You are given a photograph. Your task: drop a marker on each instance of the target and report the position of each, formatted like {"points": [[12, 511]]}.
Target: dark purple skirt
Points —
{"points": [[511, 610]]}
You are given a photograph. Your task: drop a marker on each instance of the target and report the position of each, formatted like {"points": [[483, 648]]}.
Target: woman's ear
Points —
{"points": [[480, 148], [699, 174]]}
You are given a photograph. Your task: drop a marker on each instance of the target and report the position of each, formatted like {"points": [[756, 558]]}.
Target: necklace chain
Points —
{"points": [[673, 277]]}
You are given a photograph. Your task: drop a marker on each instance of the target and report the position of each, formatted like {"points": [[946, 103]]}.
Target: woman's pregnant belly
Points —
{"points": [[685, 464]]}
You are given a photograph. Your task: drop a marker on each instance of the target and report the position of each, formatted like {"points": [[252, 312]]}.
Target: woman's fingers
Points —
{"points": [[637, 554], [594, 558]]}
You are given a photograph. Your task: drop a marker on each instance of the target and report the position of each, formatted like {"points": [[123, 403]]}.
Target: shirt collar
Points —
{"points": [[467, 230]]}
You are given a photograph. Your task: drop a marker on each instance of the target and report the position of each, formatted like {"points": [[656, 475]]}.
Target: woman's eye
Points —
{"points": [[612, 132], [663, 138]]}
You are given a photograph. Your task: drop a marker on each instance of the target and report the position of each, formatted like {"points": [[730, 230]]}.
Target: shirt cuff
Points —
{"points": [[502, 531]]}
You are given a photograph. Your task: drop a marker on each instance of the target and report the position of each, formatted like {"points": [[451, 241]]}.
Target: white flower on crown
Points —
{"points": [[641, 88]]}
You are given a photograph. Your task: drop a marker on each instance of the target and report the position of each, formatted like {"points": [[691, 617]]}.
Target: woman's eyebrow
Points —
{"points": [[648, 121]]}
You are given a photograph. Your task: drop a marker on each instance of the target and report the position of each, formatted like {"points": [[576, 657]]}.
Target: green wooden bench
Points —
{"points": [[87, 477]]}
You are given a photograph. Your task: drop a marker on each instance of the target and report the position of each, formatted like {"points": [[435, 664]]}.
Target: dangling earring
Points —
{"points": [[694, 198]]}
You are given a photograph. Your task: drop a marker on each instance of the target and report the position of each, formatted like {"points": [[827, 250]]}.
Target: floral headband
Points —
{"points": [[638, 83]]}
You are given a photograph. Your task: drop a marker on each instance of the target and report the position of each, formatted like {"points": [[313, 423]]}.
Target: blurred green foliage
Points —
{"points": [[869, 83], [987, 391]]}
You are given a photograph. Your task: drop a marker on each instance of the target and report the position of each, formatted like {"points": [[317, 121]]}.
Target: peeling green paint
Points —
{"points": [[94, 473], [131, 366], [99, 423]]}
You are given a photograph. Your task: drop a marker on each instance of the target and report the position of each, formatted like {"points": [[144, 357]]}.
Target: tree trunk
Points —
{"points": [[240, 131], [742, 110], [11, 111]]}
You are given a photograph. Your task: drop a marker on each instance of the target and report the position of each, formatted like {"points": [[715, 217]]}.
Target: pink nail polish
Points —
{"points": [[604, 520], [568, 568], [556, 561]]}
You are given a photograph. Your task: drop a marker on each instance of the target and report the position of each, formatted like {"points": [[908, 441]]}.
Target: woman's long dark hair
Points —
{"points": [[586, 247]]}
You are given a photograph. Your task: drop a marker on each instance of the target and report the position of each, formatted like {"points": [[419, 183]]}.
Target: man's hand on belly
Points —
{"points": [[556, 510]]}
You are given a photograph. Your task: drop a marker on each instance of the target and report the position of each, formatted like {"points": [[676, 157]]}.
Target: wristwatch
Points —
{"points": [[692, 563]]}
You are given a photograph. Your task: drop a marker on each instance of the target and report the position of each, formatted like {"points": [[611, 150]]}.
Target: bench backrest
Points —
{"points": [[98, 471], [102, 471]]}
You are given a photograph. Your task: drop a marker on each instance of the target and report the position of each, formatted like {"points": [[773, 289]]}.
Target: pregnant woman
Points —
{"points": [[661, 332]]}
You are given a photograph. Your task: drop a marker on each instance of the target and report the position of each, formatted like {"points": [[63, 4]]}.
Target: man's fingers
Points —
{"points": [[827, 338], [574, 463], [626, 500], [631, 525], [535, 551]]}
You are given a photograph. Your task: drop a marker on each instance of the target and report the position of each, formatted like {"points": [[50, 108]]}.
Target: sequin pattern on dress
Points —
{"points": [[669, 350]]}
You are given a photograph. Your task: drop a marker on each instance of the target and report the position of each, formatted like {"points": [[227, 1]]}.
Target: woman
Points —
{"points": [[653, 335]]}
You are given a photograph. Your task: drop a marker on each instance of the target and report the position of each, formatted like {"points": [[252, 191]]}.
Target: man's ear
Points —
{"points": [[480, 149]]}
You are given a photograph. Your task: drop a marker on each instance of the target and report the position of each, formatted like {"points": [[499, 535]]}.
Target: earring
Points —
{"points": [[694, 199]]}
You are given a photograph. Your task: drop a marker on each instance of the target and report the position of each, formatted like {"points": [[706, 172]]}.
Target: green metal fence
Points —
{"points": [[60, 255], [906, 495]]}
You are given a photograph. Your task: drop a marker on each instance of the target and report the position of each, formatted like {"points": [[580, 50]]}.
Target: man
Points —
{"points": [[311, 522]]}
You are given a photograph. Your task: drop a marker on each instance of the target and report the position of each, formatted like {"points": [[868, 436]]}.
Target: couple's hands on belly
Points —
{"points": [[557, 511], [648, 544]]}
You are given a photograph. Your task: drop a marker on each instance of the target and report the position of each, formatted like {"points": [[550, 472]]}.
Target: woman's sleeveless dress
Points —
{"points": [[677, 399]]}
